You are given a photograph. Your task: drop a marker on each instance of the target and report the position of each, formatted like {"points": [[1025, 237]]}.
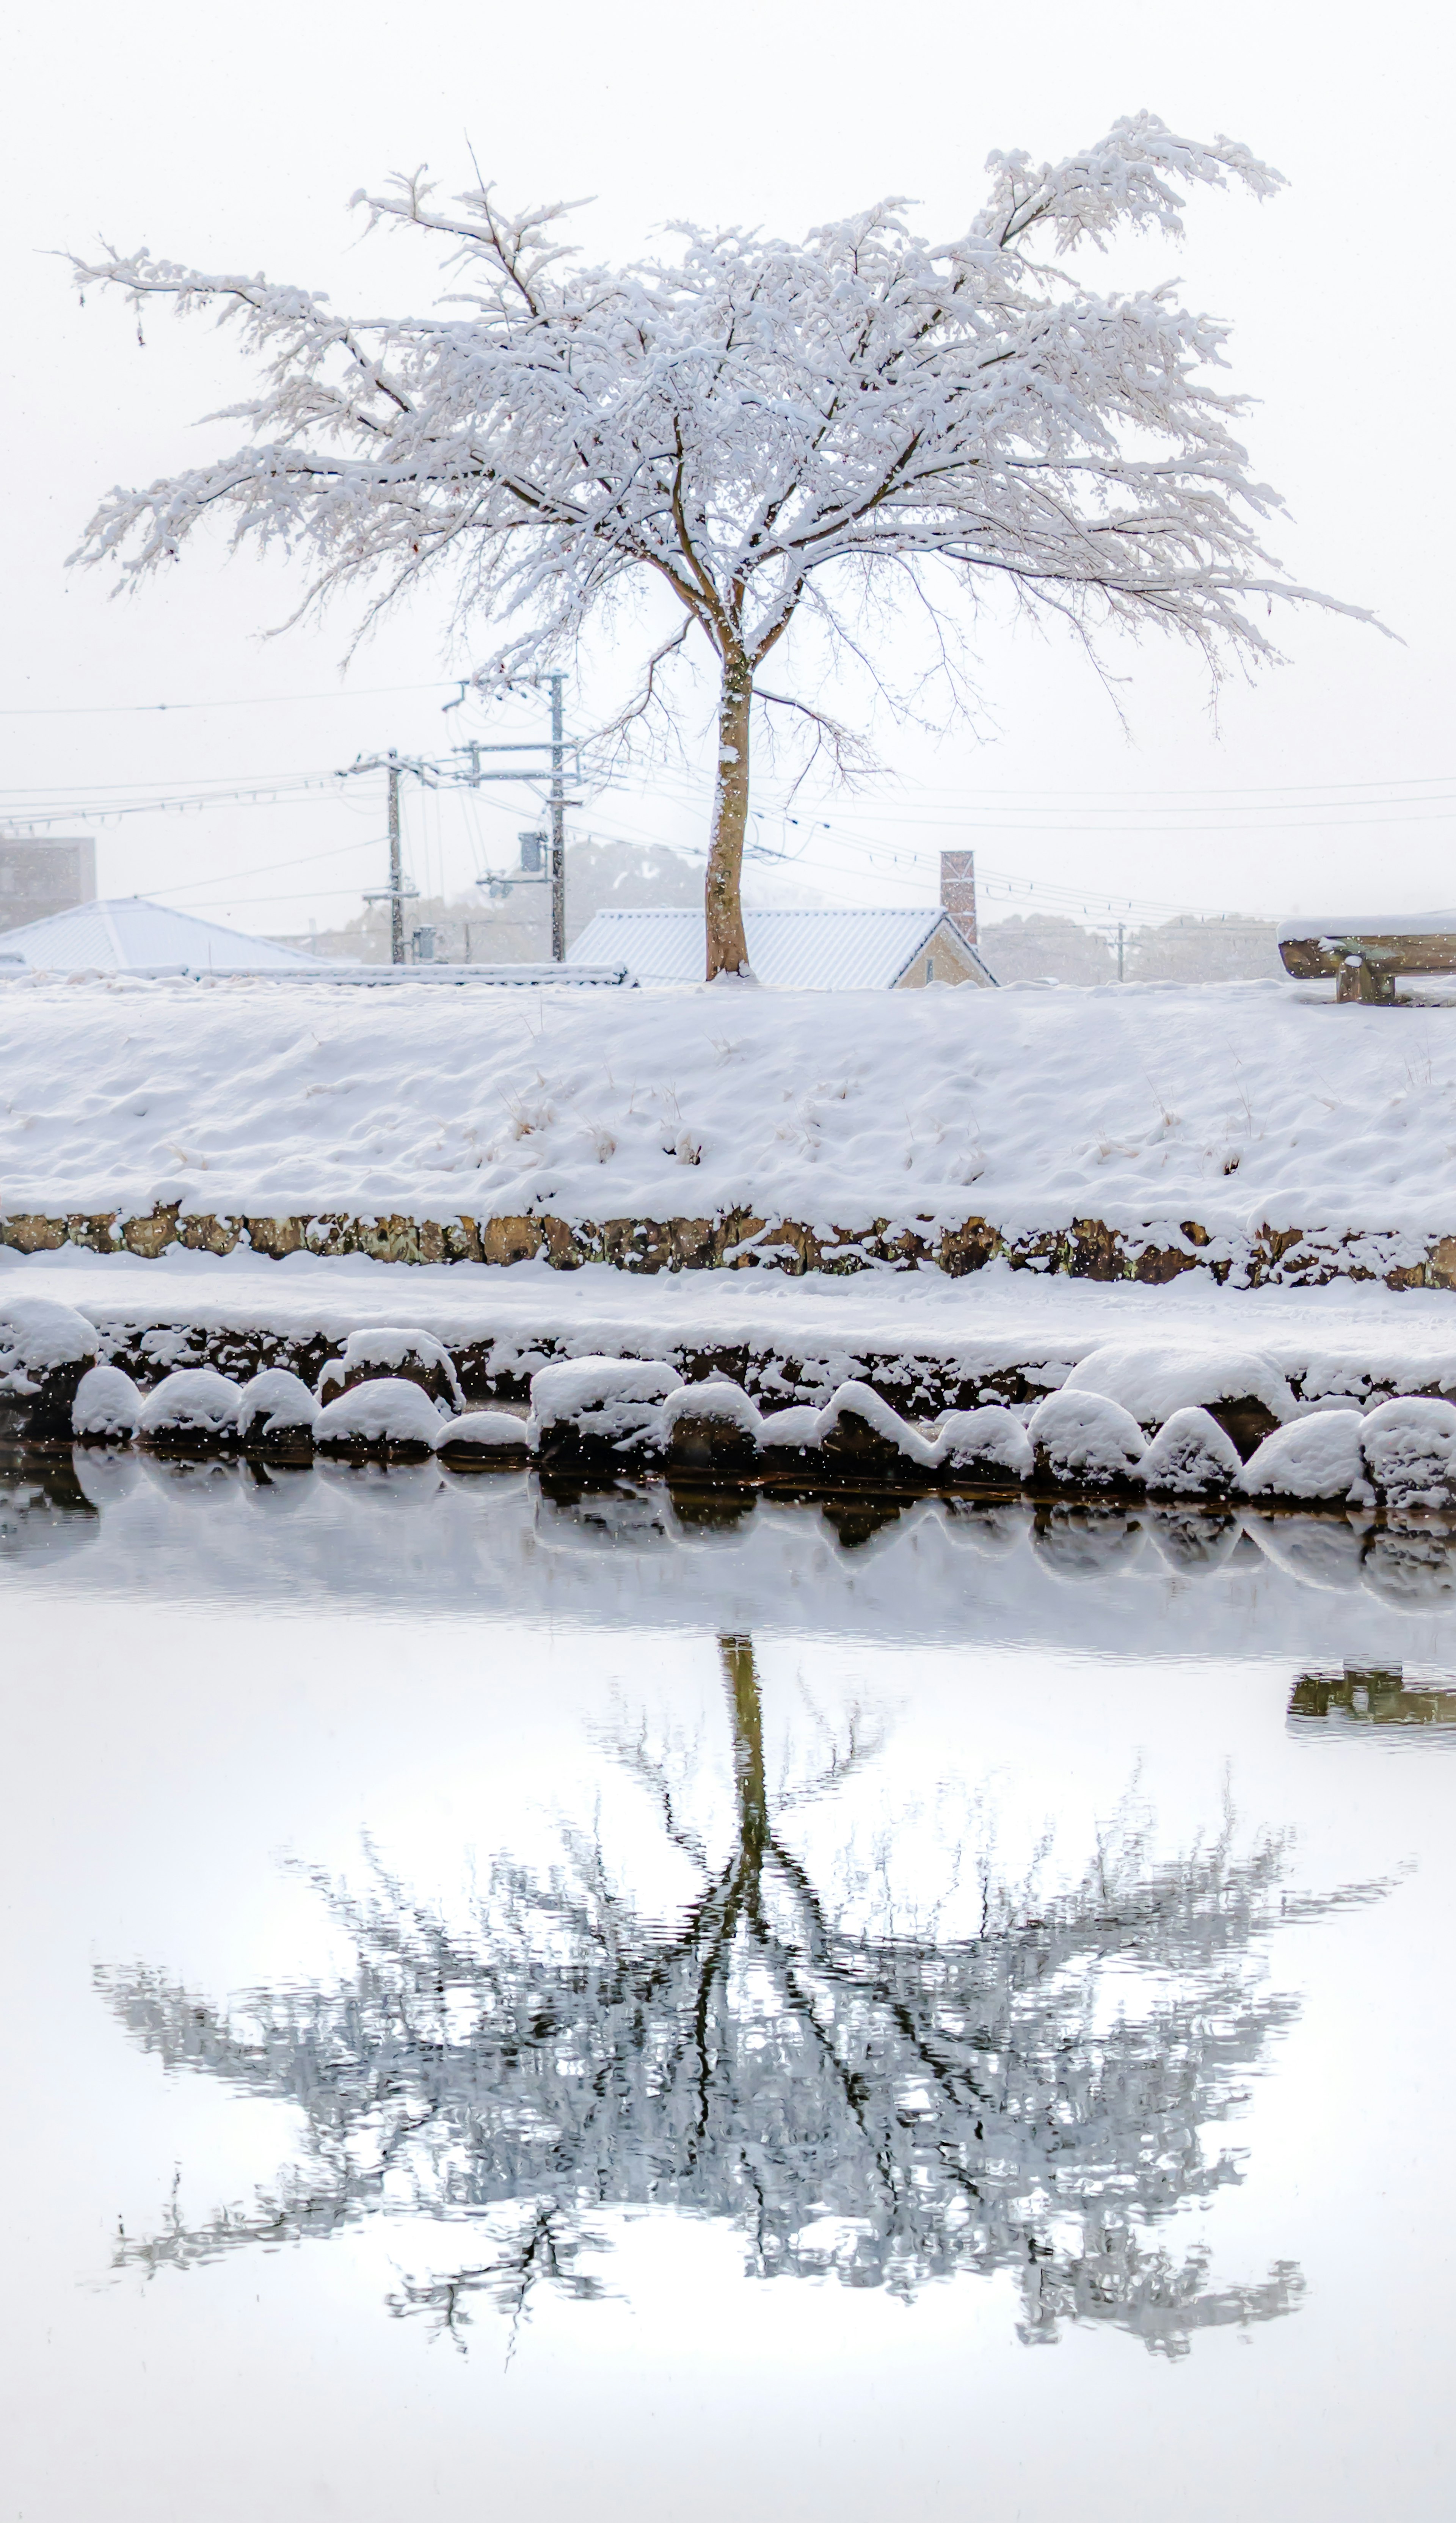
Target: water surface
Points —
{"points": [[531, 2004]]}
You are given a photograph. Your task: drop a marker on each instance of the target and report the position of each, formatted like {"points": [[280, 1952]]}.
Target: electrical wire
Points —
{"points": [[237, 700]]}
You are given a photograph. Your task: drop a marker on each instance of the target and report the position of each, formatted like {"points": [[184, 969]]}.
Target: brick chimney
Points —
{"points": [[957, 890]]}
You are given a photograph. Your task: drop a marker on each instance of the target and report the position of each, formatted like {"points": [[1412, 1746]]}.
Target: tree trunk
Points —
{"points": [[740, 1673], [727, 947]]}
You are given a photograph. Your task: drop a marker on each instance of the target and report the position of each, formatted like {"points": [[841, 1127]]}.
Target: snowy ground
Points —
{"points": [[1236, 1106], [1325, 1340]]}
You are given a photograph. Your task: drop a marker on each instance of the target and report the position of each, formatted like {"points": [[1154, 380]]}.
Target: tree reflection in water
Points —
{"points": [[869, 2097]]}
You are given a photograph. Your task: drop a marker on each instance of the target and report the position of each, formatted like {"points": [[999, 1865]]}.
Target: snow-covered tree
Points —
{"points": [[763, 429]]}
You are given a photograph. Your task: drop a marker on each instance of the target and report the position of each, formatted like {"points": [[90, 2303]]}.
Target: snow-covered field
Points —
{"points": [[1246, 1105]]}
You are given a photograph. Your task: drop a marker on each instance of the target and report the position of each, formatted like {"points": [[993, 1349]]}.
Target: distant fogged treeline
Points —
{"points": [[514, 927], [1041, 948]]}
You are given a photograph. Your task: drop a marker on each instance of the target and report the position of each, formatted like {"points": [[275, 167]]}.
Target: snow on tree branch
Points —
{"points": [[747, 424]]}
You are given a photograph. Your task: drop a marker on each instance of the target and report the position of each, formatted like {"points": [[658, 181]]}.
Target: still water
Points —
{"points": [[527, 2004]]}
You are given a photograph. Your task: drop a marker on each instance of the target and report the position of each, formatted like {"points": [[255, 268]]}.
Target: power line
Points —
{"points": [[244, 701]]}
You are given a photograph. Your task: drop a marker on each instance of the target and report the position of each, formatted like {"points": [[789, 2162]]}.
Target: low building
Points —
{"points": [[39, 876], [796, 950], [134, 935]]}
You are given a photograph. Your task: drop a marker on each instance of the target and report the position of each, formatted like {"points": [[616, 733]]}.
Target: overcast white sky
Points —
{"points": [[233, 140]]}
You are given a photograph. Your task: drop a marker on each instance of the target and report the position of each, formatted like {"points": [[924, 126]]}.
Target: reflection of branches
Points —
{"points": [[545, 2245], [889, 2104]]}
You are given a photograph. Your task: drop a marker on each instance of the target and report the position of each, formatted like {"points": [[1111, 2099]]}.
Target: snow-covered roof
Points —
{"points": [[133, 935], [803, 950]]}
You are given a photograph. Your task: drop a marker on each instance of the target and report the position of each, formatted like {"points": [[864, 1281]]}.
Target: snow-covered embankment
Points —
{"points": [[1247, 1130]]}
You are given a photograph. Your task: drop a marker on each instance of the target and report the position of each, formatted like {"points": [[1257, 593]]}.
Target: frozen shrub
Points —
{"points": [[276, 1408], [988, 1444], [1244, 1392], [793, 1435], [1191, 1457], [483, 1436], [862, 1431], [45, 1350], [197, 1407], [106, 1406], [606, 1405], [1318, 1458], [1084, 1441], [389, 1416], [1409, 1449], [713, 1425], [382, 1350], [1155, 1378]]}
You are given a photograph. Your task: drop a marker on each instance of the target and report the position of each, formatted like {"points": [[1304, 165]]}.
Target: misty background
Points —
{"points": [[1089, 803]]}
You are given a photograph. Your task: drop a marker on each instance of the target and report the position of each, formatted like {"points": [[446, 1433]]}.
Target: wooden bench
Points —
{"points": [[1364, 957]]}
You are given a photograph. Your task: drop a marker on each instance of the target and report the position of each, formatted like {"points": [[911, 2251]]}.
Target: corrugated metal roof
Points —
{"points": [[796, 950], [134, 935]]}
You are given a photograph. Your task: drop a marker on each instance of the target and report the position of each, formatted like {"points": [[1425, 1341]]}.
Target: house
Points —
{"points": [[134, 935], [40, 874], [812, 950]]}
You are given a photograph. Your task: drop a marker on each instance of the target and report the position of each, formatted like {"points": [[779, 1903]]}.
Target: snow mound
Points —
{"points": [[1409, 1449], [1317, 1458], [857, 1422], [276, 1403], [1086, 1438], [710, 1426], [988, 1443], [613, 1400], [1154, 1379], [384, 1350], [38, 1334], [1192, 1456], [718, 1398], [107, 1404], [389, 1413], [479, 1435], [196, 1402], [790, 1431]]}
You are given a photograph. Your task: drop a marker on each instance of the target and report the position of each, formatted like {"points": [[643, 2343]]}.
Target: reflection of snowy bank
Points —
{"points": [[1144, 1581]]}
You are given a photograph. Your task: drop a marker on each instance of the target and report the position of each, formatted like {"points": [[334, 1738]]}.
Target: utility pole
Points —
{"points": [[553, 876], [397, 871], [558, 826], [397, 892], [444, 775], [1119, 950]]}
